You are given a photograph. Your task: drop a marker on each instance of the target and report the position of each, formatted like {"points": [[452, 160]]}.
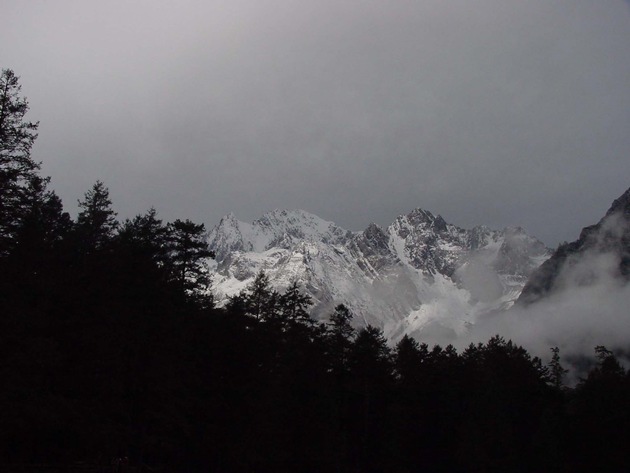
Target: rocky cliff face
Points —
{"points": [[419, 274], [610, 237]]}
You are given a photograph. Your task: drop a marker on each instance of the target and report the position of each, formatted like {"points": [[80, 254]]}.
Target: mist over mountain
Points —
{"points": [[440, 283], [609, 239], [419, 276], [579, 297]]}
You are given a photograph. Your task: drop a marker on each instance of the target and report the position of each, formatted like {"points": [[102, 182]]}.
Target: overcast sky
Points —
{"points": [[496, 112]]}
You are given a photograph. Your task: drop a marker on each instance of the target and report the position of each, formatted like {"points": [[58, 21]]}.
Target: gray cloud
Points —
{"points": [[495, 112]]}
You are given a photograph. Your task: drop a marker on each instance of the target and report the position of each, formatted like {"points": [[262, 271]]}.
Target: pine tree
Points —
{"points": [[408, 359], [602, 415], [261, 301], [340, 322], [294, 307], [188, 250], [42, 229], [370, 355], [556, 370], [147, 236], [143, 259], [340, 337], [17, 168], [96, 222], [608, 366], [371, 372]]}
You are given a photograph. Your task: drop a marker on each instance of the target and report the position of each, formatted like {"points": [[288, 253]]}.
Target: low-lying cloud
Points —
{"points": [[589, 306]]}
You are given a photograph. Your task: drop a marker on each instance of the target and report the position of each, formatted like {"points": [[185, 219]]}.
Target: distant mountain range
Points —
{"points": [[419, 276]]}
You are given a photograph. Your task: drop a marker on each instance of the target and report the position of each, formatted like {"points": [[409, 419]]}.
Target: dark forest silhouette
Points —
{"points": [[110, 345]]}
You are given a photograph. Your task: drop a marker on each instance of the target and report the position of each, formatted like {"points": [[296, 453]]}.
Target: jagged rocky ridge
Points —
{"points": [[609, 237], [420, 275]]}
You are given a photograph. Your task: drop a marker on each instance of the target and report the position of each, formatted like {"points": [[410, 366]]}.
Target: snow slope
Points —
{"points": [[419, 276]]}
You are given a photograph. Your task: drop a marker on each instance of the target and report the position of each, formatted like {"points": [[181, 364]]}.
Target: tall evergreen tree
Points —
{"points": [[146, 235], [408, 359], [294, 306], [340, 337], [41, 232], [608, 365], [556, 370], [96, 222], [188, 250], [601, 413], [261, 300], [371, 371], [340, 322], [17, 168], [143, 256], [370, 356]]}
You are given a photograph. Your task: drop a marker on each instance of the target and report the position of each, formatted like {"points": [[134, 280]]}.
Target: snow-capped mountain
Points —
{"points": [[420, 275]]}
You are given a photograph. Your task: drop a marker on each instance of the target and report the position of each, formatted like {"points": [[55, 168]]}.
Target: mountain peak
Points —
{"points": [[287, 217], [622, 204], [424, 218], [421, 214], [278, 228], [399, 278], [228, 219], [611, 236]]}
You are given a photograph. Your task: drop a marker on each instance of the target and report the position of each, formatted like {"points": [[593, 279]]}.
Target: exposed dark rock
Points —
{"points": [[610, 235]]}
